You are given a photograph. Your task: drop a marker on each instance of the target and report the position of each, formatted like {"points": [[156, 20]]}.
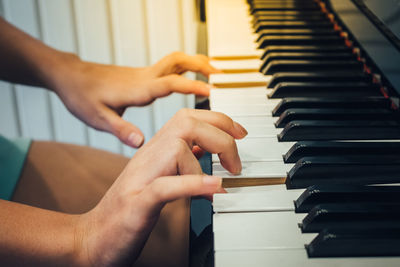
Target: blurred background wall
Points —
{"points": [[124, 32]]}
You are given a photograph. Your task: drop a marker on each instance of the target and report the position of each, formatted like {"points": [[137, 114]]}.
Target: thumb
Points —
{"points": [[126, 132]]}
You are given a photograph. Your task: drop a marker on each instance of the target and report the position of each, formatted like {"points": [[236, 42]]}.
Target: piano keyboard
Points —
{"points": [[319, 121]]}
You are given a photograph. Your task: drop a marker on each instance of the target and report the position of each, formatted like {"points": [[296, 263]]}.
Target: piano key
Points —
{"points": [[283, 231], [285, 13], [306, 56], [306, 48], [331, 194], [325, 89], [259, 149], [328, 148], [257, 9], [355, 243], [239, 65], [272, 200], [246, 110], [334, 114], [269, 25], [336, 76], [311, 65], [294, 257], [340, 130], [351, 216], [255, 169], [356, 170], [296, 32], [288, 18], [338, 102], [238, 79], [299, 40]]}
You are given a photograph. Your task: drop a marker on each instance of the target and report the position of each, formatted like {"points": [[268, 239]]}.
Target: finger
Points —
{"points": [[198, 63], [179, 63], [170, 188], [123, 130], [216, 119], [175, 83], [197, 152], [187, 162], [216, 141]]}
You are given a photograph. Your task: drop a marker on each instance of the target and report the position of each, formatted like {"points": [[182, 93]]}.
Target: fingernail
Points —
{"points": [[212, 180], [135, 139], [240, 129]]}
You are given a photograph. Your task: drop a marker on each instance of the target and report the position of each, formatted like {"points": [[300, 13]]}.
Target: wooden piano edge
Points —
{"points": [[242, 182]]}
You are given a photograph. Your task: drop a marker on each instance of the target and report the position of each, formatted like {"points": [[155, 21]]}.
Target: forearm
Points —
{"points": [[26, 60], [35, 237]]}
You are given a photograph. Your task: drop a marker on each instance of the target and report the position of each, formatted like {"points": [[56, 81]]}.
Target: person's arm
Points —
{"points": [[97, 94], [115, 231]]}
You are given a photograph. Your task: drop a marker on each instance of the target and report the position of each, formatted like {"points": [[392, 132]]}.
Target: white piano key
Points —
{"points": [[237, 64], [294, 257], [259, 230], [257, 189], [260, 149], [246, 110], [262, 169], [273, 200], [233, 79], [238, 91], [247, 121], [262, 131]]}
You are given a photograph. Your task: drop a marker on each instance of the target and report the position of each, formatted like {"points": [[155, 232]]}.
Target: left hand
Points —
{"points": [[98, 94]]}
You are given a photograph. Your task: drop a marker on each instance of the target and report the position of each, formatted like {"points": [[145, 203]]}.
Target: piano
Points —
{"points": [[316, 83]]}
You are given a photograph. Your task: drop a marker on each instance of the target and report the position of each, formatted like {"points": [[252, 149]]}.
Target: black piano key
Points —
{"points": [[311, 65], [300, 40], [269, 25], [340, 130], [306, 48], [337, 76], [296, 32], [258, 9], [334, 194], [324, 89], [319, 17], [306, 56], [334, 170], [351, 216], [286, 13], [338, 102], [334, 114], [372, 242], [332, 148]]}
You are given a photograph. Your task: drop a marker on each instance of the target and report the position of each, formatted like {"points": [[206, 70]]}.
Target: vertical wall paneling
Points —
{"points": [[33, 104], [130, 49], [164, 31], [189, 37], [56, 17], [9, 126], [95, 44]]}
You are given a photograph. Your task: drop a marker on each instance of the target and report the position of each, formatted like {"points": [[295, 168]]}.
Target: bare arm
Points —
{"points": [[35, 237]]}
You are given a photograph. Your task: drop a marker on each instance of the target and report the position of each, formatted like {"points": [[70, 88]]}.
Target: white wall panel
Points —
{"points": [[95, 44], [129, 26], [33, 105], [165, 36], [8, 112], [56, 17]]}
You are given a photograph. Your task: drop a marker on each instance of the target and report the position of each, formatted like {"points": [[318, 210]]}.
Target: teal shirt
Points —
{"points": [[12, 158]]}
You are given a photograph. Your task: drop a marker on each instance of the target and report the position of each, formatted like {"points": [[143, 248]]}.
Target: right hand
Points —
{"points": [[115, 231]]}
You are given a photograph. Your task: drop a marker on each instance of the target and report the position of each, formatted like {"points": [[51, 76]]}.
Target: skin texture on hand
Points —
{"points": [[115, 231], [99, 94]]}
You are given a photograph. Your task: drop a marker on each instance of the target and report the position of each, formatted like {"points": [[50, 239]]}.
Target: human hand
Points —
{"points": [[115, 231], [98, 94]]}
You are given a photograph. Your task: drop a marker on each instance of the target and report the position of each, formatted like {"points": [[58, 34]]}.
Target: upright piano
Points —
{"points": [[316, 83]]}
